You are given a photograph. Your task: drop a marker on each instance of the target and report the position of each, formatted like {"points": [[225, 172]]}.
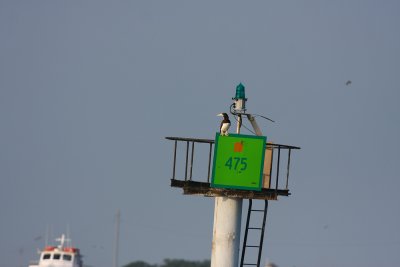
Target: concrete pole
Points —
{"points": [[226, 232]]}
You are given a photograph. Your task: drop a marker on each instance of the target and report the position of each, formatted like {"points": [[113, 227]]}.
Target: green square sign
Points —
{"points": [[238, 161]]}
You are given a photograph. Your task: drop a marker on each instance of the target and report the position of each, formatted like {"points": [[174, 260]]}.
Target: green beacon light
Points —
{"points": [[240, 99], [240, 92]]}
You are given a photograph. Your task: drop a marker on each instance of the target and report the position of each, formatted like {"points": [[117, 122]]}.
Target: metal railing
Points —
{"points": [[189, 145]]}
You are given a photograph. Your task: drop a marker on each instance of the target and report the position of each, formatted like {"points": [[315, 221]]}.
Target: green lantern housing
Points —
{"points": [[240, 92], [240, 99]]}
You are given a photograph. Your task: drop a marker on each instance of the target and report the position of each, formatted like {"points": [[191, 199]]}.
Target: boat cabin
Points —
{"points": [[59, 256]]}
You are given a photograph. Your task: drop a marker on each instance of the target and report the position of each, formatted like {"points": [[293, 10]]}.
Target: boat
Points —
{"points": [[59, 256]]}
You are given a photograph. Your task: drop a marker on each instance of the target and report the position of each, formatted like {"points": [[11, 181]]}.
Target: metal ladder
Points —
{"points": [[260, 229]]}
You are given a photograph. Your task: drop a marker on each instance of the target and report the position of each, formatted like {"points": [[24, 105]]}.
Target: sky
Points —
{"points": [[90, 89]]}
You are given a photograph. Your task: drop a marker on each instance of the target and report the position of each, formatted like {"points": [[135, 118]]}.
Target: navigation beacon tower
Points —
{"points": [[237, 167]]}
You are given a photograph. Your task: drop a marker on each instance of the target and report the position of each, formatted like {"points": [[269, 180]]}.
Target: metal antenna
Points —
{"points": [[257, 115], [118, 219], [46, 239], [62, 241], [69, 243]]}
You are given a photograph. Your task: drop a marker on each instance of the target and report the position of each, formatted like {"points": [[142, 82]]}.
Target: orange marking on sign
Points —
{"points": [[238, 147]]}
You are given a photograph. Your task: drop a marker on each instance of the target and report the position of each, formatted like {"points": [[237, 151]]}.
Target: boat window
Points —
{"points": [[67, 257], [56, 256], [46, 256]]}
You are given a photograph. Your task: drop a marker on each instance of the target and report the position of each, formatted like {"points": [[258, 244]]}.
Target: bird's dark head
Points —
{"points": [[223, 115]]}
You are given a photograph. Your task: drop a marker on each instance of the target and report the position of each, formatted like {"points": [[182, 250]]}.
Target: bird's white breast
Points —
{"points": [[225, 126]]}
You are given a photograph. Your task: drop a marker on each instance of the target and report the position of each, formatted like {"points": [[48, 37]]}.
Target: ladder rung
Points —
{"points": [[252, 264], [258, 210], [252, 246], [255, 228]]}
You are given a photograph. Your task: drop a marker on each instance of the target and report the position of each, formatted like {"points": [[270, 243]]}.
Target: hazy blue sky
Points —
{"points": [[89, 90]]}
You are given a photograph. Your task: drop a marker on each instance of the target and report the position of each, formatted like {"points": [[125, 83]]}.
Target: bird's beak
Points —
{"points": [[220, 114]]}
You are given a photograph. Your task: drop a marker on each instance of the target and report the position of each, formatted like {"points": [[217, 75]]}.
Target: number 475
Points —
{"points": [[235, 162]]}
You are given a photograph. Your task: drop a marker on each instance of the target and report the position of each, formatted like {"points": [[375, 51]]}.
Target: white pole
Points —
{"points": [[226, 232], [239, 124], [118, 218], [254, 124]]}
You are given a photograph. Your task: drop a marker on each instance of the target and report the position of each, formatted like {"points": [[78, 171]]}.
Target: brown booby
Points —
{"points": [[225, 124]]}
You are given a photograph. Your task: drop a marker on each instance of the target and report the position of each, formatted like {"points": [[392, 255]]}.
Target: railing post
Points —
{"points": [[187, 156], [209, 163], [191, 162], [173, 170], [287, 171]]}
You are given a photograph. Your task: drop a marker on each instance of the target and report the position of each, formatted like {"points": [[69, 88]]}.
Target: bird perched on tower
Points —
{"points": [[225, 124]]}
